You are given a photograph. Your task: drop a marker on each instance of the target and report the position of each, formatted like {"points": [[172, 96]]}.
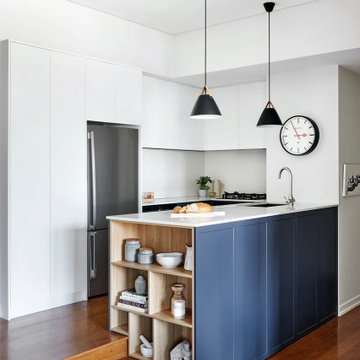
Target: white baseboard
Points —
{"points": [[27, 307], [349, 305]]}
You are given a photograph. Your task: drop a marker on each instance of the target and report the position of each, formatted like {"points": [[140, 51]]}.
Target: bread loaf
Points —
{"points": [[194, 208], [199, 208]]}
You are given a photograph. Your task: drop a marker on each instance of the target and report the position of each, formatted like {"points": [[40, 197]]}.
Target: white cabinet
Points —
{"points": [[167, 124], [128, 95], [252, 101], [68, 178], [222, 133], [100, 92], [29, 171]]}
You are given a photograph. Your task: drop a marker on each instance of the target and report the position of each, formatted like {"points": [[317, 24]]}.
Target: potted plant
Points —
{"points": [[203, 181]]}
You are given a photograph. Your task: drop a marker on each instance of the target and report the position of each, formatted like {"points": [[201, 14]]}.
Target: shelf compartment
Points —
{"points": [[166, 336], [179, 271], [118, 321], [167, 317], [159, 238], [160, 293], [124, 279], [138, 325]]}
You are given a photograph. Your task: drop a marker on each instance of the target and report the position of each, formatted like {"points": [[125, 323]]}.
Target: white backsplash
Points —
{"points": [[240, 170], [173, 173]]}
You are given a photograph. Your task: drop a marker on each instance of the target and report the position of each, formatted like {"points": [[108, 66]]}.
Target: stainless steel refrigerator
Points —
{"points": [[113, 189]]}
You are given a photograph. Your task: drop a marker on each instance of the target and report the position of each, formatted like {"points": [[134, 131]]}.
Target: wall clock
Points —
{"points": [[299, 135]]}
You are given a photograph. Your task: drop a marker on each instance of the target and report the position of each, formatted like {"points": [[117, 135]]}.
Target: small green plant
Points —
{"points": [[202, 181]]}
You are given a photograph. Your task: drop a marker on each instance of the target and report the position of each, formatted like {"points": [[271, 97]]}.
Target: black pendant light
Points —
{"points": [[269, 116], [205, 106]]}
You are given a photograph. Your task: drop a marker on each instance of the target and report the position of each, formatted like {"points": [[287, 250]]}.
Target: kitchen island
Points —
{"points": [[262, 278]]}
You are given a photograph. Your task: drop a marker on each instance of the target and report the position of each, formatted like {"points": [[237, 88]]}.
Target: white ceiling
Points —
{"points": [[177, 16]]}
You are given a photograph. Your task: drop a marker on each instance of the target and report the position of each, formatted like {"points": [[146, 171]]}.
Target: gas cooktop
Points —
{"points": [[243, 196]]}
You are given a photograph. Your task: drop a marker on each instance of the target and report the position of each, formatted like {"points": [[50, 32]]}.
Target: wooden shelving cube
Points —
{"points": [[138, 325], [167, 336]]}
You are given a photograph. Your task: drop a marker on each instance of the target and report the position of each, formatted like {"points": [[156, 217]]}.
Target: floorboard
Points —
{"points": [[339, 339], [56, 333]]}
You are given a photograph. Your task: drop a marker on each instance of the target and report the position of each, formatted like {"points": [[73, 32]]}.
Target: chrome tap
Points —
{"points": [[290, 200]]}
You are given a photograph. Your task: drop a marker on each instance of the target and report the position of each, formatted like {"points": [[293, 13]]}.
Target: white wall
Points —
{"points": [[322, 26], [313, 93], [238, 170], [349, 209], [170, 173], [3, 181], [63, 25]]}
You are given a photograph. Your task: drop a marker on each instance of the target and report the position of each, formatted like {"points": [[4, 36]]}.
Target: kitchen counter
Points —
{"points": [[265, 277], [234, 212]]}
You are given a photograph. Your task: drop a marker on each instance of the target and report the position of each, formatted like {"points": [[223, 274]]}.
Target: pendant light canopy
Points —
{"points": [[205, 106], [269, 115]]}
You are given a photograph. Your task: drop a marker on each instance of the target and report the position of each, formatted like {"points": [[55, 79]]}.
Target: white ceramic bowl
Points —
{"points": [[169, 260], [145, 351]]}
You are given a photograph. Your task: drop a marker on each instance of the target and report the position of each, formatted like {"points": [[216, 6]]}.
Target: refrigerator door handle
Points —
{"points": [[91, 137], [92, 255]]}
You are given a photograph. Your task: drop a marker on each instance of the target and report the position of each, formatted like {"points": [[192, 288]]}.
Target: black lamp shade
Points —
{"points": [[205, 108], [269, 117]]}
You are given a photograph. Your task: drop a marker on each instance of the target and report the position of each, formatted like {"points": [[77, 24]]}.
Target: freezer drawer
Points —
{"points": [[98, 262]]}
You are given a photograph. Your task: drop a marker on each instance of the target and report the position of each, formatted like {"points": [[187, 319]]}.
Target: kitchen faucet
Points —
{"points": [[290, 200]]}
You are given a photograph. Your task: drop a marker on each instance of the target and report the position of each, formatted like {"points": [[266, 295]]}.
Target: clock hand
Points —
{"points": [[298, 136]]}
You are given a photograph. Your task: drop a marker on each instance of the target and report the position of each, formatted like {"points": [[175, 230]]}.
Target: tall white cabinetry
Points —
{"points": [[29, 179], [50, 96], [68, 179]]}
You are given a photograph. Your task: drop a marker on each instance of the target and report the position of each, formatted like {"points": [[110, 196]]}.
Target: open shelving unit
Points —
{"points": [[157, 324]]}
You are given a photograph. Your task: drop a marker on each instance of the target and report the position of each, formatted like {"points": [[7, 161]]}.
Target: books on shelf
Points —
{"points": [[131, 300]]}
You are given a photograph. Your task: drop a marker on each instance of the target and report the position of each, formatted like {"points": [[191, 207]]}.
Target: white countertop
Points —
{"points": [[235, 212], [189, 199]]}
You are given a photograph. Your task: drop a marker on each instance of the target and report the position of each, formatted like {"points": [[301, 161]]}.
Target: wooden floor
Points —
{"points": [[339, 339], [56, 333], [68, 330]]}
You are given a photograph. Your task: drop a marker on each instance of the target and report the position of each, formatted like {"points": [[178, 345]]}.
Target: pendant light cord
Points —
{"points": [[269, 70], [205, 60]]}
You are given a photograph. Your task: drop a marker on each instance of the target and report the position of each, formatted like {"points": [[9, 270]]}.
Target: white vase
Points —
{"points": [[203, 193], [140, 285], [188, 258]]}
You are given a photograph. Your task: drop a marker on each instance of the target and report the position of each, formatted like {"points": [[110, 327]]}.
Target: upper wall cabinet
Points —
{"points": [[166, 116], [222, 134], [251, 101], [128, 95], [100, 88]]}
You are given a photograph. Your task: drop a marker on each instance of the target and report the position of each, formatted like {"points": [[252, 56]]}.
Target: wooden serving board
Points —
{"points": [[190, 215]]}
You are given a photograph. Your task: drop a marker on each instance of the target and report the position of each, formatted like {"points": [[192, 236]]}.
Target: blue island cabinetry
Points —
{"points": [[262, 284]]}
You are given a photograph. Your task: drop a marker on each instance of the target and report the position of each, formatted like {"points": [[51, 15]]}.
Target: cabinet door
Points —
{"points": [[29, 177], [281, 329], [128, 95], [222, 134], [68, 176], [252, 100], [100, 91], [214, 292], [306, 235], [250, 291], [327, 264]]}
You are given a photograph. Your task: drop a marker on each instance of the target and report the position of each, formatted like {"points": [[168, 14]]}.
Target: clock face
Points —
{"points": [[299, 135]]}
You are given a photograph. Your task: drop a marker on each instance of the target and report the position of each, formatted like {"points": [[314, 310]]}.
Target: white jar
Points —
{"points": [[132, 247], [146, 256], [179, 309]]}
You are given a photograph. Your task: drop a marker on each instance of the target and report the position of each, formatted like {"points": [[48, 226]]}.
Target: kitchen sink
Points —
{"points": [[265, 205]]}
